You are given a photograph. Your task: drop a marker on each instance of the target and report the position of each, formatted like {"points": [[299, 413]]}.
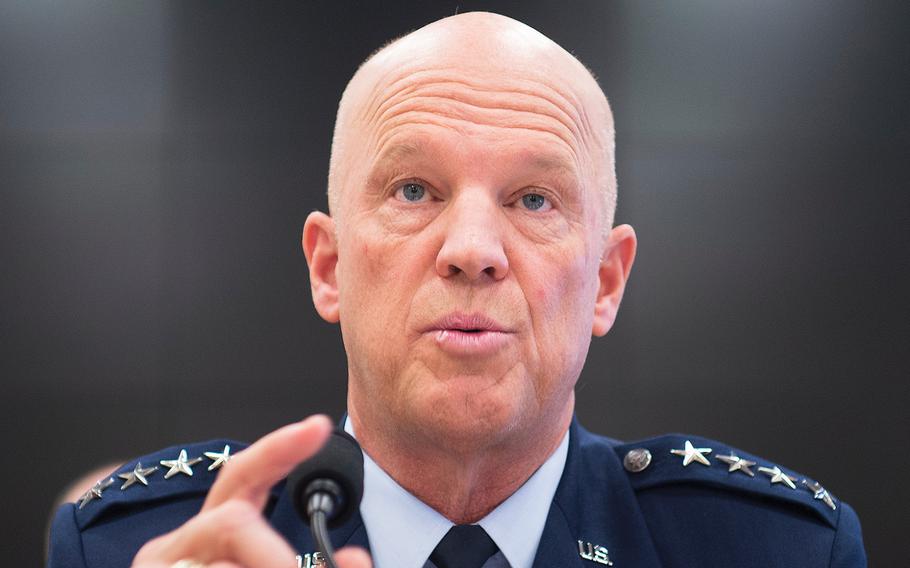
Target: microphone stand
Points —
{"points": [[327, 489], [320, 507]]}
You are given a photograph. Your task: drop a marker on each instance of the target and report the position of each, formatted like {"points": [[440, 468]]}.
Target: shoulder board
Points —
{"points": [[177, 472], [678, 458]]}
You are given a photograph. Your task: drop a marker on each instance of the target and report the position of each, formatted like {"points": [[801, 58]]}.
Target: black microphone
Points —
{"points": [[327, 488]]}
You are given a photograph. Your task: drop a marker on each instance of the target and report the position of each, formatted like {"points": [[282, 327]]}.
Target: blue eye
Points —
{"points": [[533, 201], [412, 191]]}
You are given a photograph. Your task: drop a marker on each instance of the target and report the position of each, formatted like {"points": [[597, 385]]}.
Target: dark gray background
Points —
{"points": [[157, 161]]}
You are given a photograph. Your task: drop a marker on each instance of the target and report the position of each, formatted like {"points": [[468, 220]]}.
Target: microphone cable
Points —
{"points": [[327, 489]]}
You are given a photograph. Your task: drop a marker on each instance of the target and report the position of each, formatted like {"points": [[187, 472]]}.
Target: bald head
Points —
{"points": [[499, 65]]}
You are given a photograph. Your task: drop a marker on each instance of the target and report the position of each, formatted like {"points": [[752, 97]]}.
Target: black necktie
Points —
{"points": [[464, 546]]}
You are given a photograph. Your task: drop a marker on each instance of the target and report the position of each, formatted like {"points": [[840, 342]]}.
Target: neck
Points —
{"points": [[463, 482]]}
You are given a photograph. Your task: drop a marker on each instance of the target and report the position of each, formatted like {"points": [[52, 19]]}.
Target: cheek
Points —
{"points": [[371, 266], [371, 271], [563, 296], [376, 281], [564, 281], [367, 297], [544, 294]]}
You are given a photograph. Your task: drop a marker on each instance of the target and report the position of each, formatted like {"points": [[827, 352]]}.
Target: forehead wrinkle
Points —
{"points": [[450, 104], [392, 130], [480, 117], [566, 105], [424, 109], [512, 116], [485, 97]]}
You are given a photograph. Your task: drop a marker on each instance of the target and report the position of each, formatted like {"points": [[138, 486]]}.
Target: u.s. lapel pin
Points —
{"points": [[311, 560], [594, 553]]}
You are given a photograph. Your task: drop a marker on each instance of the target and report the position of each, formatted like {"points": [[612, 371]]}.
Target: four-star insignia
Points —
{"points": [[819, 492], [737, 463], [691, 453], [777, 476], [180, 465], [138, 474], [96, 491], [219, 458]]}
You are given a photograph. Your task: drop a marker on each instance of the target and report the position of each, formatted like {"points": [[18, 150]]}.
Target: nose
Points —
{"points": [[472, 243]]}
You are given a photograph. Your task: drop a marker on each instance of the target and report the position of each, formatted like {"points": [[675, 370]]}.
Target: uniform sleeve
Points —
{"points": [[847, 550], [65, 542]]}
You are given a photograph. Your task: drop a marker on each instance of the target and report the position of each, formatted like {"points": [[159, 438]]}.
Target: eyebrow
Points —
{"points": [[552, 163], [410, 148], [398, 151], [386, 163]]}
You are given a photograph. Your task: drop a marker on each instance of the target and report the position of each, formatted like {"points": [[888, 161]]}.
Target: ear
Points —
{"points": [[321, 251], [615, 265]]}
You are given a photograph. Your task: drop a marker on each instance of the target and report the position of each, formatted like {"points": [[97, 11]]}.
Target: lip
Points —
{"points": [[468, 334]]}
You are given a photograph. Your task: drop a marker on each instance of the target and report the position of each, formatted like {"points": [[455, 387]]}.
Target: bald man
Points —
{"points": [[469, 255]]}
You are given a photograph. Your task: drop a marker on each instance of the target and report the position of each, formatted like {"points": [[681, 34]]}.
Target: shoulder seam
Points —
{"points": [[840, 514]]}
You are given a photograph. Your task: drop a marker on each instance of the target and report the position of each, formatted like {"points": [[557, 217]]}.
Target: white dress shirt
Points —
{"points": [[403, 530]]}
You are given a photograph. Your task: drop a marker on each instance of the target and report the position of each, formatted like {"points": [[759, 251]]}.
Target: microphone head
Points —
{"points": [[339, 461]]}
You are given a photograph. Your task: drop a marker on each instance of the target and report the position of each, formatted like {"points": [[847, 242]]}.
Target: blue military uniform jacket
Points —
{"points": [[625, 505]]}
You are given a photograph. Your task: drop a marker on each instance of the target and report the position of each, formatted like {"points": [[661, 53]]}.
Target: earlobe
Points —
{"points": [[613, 272], [321, 251]]}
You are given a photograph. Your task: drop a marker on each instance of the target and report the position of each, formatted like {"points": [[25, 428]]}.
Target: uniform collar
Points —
{"points": [[516, 525], [594, 505]]}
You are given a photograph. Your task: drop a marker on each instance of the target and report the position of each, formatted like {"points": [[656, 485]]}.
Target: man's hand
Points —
{"points": [[230, 529]]}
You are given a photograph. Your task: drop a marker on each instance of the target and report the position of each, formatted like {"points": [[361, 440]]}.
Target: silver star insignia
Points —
{"points": [[220, 458], [138, 474], [777, 476], [819, 492], [691, 453], [96, 491], [737, 463], [180, 465]]}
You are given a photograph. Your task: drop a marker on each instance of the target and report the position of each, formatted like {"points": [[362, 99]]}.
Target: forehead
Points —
{"points": [[429, 104], [475, 104]]}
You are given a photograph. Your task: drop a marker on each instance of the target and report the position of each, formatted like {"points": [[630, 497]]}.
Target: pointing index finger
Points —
{"points": [[252, 473]]}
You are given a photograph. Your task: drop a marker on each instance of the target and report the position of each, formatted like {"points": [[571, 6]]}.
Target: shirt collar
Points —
{"points": [[403, 531]]}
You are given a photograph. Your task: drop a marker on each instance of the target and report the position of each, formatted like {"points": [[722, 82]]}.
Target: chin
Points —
{"points": [[471, 420]]}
